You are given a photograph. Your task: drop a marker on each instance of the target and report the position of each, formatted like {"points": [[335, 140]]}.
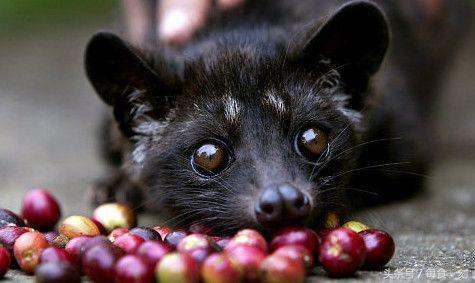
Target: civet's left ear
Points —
{"points": [[355, 39]]}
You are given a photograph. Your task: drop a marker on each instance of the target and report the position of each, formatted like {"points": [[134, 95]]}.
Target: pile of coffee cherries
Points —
{"points": [[108, 247]]}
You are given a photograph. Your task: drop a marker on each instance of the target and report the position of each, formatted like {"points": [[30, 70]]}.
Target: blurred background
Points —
{"points": [[48, 111], [49, 118]]}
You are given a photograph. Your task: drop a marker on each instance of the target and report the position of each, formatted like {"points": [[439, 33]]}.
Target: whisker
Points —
{"points": [[363, 144], [408, 173], [348, 150], [345, 189], [363, 168], [332, 203], [169, 220]]}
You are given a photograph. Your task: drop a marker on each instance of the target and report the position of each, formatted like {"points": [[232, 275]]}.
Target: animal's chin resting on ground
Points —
{"points": [[258, 123], [267, 218]]}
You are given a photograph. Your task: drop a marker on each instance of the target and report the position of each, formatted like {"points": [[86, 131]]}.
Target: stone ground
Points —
{"points": [[48, 119]]}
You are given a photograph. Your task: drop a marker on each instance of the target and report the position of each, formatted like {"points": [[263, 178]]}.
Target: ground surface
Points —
{"points": [[48, 118]]}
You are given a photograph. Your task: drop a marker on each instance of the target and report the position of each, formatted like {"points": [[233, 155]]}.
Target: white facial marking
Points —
{"points": [[231, 108], [274, 100]]}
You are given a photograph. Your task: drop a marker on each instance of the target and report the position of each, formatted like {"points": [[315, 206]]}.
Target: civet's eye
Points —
{"points": [[311, 143], [211, 158]]}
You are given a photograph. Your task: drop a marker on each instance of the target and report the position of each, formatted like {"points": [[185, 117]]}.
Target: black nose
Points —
{"points": [[278, 205]]}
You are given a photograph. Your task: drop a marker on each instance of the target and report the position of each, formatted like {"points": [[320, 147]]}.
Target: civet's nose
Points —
{"points": [[281, 204]]}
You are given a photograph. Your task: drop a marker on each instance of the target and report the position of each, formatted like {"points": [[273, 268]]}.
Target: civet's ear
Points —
{"points": [[124, 80], [354, 39]]}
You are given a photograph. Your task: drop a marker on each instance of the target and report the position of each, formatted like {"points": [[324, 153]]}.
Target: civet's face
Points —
{"points": [[245, 137]]}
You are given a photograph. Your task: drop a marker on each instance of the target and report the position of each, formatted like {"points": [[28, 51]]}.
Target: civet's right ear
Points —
{"points": [[124, 80]]}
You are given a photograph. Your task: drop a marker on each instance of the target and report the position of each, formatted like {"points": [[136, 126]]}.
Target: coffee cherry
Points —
{"points": [[379, 248], [40, 209], [197, 228], [129, 242], [247, 260], [355, 226], [248, 237], [77, 225], [332, 220], [146, 233], [8, 236], [27, 250], [296, 236], [53, 254], [251, 233], [50, 236], [5, 261], [218, 268], [75, 248], [95, 241], [115, 215], [57, 240], [153, 251], [173, 238], [197, 245], [101, 227], [199, 255], [9, 218], [221, 242], [114, 234], [297, 252], [132, 268], [163, 231], [57, 272], [177, 268], [342, 252], [322, 233], [99, 262], [281, 269], [78, 246]]}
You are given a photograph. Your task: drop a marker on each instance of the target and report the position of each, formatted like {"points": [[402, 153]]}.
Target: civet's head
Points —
{"points": [[246, 135]]}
